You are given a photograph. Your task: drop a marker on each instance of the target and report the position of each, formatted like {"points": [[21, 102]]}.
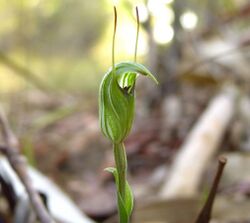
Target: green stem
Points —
{"points": [[137, 33], [113, 41], [121, 166]]}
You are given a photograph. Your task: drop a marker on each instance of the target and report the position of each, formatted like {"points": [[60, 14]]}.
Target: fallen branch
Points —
{"points": [[200, 146], [10, 149]]}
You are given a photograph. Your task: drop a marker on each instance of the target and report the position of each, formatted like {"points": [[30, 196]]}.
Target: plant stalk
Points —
{"points": [[121, 166], [137, 32], [113, 41]]}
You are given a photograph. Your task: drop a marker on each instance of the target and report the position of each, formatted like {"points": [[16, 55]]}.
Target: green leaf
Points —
{"points": [[129, 199], [123, 213], [125, 206], [114, 172]]}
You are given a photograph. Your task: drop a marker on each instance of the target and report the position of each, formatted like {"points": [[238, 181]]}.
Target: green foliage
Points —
{"points": [[125, 205]]}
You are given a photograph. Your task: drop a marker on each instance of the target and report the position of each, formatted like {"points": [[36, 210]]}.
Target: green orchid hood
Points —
{"points": [[117, 99]]}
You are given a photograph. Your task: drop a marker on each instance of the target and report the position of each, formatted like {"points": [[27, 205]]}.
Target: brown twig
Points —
{"points": [[206, 211], [10, 149]]}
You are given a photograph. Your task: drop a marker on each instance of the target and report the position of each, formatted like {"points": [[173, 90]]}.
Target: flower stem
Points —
{"points": [[121, 166], [113, 41], [137, 33]]}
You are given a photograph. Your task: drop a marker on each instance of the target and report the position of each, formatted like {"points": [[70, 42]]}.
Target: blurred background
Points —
{"points": [[53, 55]]}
